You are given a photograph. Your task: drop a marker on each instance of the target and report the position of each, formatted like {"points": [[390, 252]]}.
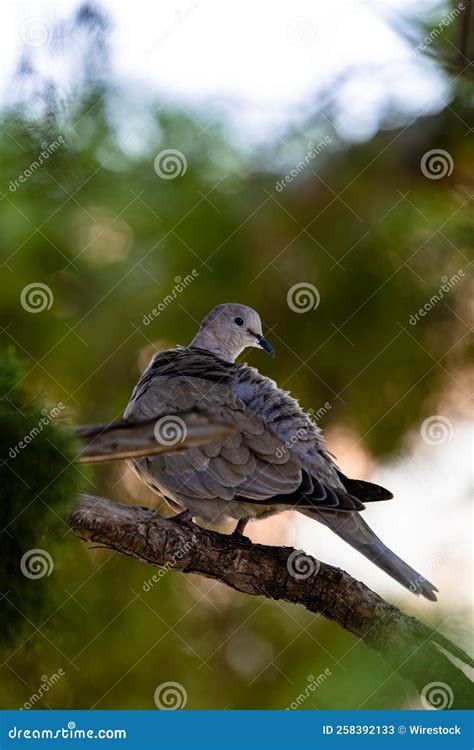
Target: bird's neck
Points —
{"points": [[206, 339]]}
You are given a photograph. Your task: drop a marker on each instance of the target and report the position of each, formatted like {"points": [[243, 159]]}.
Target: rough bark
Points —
{"points": [[416, 651]]}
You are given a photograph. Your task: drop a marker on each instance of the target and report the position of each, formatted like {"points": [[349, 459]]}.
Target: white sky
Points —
{"points": [[261, 61]]}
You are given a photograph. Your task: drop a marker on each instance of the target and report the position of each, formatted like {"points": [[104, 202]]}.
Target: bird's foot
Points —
{"points": [[241, 539], [238, 534], [185, 518]]}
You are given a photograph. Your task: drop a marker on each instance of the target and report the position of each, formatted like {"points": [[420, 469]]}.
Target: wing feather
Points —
{"points": [[260, 462]]}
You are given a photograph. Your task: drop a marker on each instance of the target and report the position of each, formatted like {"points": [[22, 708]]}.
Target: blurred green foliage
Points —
{"points": [[38, 484], [110, 238]]}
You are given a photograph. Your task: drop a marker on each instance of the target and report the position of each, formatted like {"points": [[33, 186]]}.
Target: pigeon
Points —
{"points": [[275, 460]]}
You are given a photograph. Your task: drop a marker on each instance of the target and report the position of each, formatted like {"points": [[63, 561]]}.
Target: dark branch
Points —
{"points": [[419, 653]]}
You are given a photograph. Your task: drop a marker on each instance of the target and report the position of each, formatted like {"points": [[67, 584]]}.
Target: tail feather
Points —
{"points": [[355, 531], [365, 491]]}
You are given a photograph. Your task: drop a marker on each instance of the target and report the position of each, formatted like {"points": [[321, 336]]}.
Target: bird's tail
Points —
{"points": [[353, 529]]}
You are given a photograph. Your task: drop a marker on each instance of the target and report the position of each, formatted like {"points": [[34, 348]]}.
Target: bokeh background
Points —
{"points": [[302, 136]]}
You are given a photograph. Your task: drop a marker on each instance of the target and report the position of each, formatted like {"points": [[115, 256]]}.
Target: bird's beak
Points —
{"points": [[265, 345]]}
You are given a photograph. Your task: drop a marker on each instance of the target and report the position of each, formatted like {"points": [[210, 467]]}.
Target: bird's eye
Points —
{"points": [[239, 321]]}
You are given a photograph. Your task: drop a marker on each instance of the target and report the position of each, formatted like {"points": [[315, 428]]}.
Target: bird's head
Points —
{"points": [[229, 329]]}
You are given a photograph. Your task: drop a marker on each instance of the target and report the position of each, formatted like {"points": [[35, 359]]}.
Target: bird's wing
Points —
{"points": [[284, 416], [253, 464], [300, 433]]}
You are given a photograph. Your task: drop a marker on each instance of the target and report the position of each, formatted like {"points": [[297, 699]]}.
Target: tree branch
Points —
{"points": [[419, 653], [173, 432]]}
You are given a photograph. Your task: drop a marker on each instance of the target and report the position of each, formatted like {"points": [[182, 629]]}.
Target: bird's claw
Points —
{"points": [[241, 539], [185, 518]]}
